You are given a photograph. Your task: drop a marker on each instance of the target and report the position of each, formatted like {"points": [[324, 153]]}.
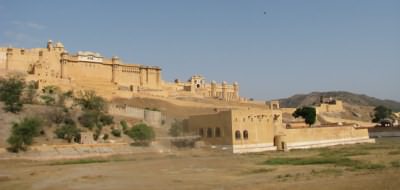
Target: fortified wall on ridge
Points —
{"points": [[109, 77]]}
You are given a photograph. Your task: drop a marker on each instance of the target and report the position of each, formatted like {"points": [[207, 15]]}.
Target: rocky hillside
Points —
{"points": [[347, 97]]}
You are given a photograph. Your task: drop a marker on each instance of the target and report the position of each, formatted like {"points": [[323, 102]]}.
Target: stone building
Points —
{"points": [[256, 130], [198, 85], [329, 105], [53, 65], [87, 138], [109, 77]]}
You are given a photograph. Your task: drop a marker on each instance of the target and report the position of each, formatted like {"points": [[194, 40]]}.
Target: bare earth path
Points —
{"points": [[204, 169]]}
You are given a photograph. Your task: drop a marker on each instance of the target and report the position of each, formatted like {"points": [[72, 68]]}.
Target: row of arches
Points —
{"points": [[210, 132], [238, 135]]}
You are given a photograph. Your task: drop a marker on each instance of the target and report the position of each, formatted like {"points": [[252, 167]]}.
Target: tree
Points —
{"points": [[93, 108], [88, 100], [124, 126], [68, 131], [11, 91], [22, 133], [307, 113], [176, 129], [50, 94], [141, 134], [106, 119], [116, 132], [381, 113], [90, 119]]}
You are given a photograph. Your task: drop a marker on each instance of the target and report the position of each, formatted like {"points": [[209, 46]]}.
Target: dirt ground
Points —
{"points": [[209, 169]]}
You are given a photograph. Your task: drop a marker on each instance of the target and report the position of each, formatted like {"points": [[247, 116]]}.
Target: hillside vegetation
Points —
{"points": [[347, 97]]}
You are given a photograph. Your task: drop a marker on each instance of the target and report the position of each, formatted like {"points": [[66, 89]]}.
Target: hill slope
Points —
{"points": [[348, 97]]}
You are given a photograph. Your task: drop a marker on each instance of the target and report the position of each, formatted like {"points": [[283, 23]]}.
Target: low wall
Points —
{"points": [[247, 148], [325, 136], [126, 111], [152, 118], [74, 151]]}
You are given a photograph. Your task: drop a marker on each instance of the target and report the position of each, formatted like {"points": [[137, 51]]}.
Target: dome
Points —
{"points": [[59, 45]]}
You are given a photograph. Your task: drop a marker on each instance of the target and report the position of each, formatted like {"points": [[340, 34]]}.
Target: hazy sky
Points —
{"points": [[298, 46]]}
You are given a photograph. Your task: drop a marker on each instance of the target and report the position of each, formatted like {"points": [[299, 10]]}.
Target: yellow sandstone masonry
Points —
{"points": [[110, 78]]}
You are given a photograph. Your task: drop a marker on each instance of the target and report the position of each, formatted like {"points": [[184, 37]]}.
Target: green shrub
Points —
{"points": [[89, 119], [68, 132], [88, 100], [48, 100], [176, 129], [116, 132], [105, 137], [69, 121], [395, 164], [10, 92], [141, 134], [124, 125], [106, 119], [96, 134], [22, 133], [56, 116]]}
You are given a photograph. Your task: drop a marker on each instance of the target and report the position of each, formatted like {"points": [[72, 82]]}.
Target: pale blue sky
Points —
{"points": [[298, 46]]}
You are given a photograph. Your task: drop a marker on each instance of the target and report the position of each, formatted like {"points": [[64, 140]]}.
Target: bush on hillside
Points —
{"points": [[68, 132], [106, 119], [141, 134], [124, 126], [10, 92], [89, 119], [23, 132], [88, 100], [116, 132]]}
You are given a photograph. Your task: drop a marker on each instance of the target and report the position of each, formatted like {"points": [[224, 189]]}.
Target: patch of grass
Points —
{"points": [[345, 162], [367, 166], [343, 152], [261, 170], [80, 161], [395, 164], [310, 161], [376, 146], [329, 171], [396, 152], [92, 160]]}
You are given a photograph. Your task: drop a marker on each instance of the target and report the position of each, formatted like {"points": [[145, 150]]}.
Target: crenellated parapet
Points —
{"points": [[197, 85]]}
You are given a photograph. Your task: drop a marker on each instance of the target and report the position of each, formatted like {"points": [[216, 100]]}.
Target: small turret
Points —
{"points": [[59, 47], [49, 45], [115, 62]]}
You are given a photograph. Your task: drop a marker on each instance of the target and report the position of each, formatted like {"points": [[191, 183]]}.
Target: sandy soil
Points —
{"points": [[204, 169]]}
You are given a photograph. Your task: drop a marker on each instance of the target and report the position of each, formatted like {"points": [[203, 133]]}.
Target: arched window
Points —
{"points": [[217, 132], [209, 132], [245, 134], [237, 135], [201, 132]]}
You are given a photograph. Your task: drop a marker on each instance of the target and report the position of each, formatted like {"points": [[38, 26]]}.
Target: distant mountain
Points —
{"points": [[351, 98]]}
